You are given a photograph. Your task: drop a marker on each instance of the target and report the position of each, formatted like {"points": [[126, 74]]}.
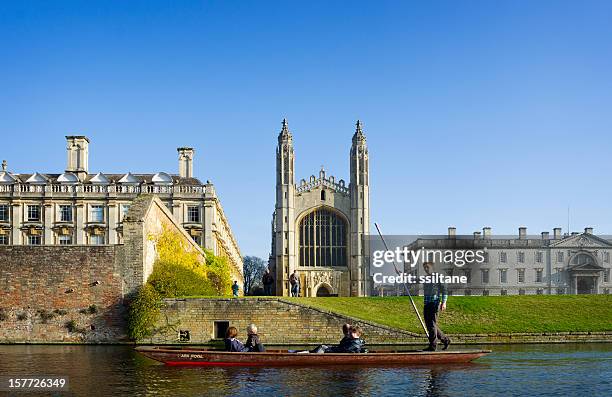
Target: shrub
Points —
{"points": [[45, 316], [71, 326], [177, 272], [92, 309], [219, 273], [22, 316], [60, 312], [144, 311]]}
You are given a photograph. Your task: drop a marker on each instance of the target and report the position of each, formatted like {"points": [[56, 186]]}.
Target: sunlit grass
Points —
{"points": [[483, 314]]}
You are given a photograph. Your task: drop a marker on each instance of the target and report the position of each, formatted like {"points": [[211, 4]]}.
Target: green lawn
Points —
{"points": [[483, 314]]}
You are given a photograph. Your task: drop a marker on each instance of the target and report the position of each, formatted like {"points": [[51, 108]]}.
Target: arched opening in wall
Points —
{"points": [[323, 195], [323, 239], [323, 291]]}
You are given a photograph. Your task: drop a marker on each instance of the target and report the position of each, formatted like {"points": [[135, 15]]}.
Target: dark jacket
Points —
{"points": [[267, 279], [234, 345], [348, 345], [253, 344]]}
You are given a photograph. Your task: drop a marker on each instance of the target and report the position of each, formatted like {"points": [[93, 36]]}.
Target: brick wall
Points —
{"points": [[279, 322], [44, 287]]}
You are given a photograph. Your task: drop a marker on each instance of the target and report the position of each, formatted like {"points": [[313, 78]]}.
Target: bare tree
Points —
{"points": [[253, 270]]}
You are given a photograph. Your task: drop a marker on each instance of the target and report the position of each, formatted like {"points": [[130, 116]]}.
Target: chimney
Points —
{"points": [[77, 147], [185, 162], [557, 233], [522, 233], [452, 232], [476, 235], [545, 235], [588, 230], [486, 232]]}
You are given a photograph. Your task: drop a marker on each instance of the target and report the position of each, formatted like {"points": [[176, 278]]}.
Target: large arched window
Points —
{"points": [[323, 239], [583, 259]]}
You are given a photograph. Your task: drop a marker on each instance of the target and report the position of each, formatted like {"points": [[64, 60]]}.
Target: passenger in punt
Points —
{"points": [[253, 344], [351, 343], [231, 343]]}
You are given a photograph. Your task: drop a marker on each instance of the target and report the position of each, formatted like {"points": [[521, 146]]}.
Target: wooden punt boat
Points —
{"points": [[201, 357]]}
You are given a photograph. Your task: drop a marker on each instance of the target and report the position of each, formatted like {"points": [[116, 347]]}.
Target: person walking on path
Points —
{"points": [[294, 280], [267, 280], [235, 288]]}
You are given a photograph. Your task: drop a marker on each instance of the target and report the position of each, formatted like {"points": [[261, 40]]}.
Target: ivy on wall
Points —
{"points": [[176, 273]]}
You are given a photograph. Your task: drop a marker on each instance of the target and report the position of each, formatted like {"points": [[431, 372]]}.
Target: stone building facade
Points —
{"points": [[320, 225], [576, 263], [84, 208]]}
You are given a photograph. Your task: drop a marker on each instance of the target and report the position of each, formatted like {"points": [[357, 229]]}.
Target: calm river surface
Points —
{"points": [[517, 370]]}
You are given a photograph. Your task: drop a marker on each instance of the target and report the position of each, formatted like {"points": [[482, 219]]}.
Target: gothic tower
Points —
{"points": [[285, 211], [360, 213]]}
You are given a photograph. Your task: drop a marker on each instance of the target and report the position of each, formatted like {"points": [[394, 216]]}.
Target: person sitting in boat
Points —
{"points": [[253, 344], [351, 343], [231, 343]]}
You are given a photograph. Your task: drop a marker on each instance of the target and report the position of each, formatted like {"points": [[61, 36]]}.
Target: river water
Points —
{"points": [[511, 370]]}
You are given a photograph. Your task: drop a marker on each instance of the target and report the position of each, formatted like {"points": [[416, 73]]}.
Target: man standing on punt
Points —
{"points": [[434, 300]]}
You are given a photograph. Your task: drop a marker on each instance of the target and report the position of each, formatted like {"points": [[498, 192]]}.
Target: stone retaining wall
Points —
{"points": [[283, 322]]}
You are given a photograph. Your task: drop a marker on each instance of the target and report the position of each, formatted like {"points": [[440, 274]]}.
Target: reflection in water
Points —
{"points": [[553, 370]]}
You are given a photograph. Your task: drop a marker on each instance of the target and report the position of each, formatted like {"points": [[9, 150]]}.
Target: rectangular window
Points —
{"points": [[503, 276], [539, 257], [4, 213], [484, 276], [503, 257], [520, 275], [539, 274], [65, 213], [520, 257], [606, 276], [65, 239], [97, 213], [4, 239], [124, 210], [193, 214], [33, 213], [34, 239], [96, 239], [559, 256], [558, 275], [606, 257]]}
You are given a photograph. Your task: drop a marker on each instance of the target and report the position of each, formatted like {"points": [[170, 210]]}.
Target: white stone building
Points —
{"points": [[79, 207], [320, 225], [576, 263]]}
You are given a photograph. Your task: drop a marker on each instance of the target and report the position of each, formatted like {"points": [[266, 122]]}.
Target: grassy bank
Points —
{"points": [[483, 314]]}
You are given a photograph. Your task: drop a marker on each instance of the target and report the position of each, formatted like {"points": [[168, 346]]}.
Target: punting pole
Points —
{"points": [[404, 284]]}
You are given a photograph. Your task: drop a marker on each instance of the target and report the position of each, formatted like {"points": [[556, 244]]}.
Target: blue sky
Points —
{"points": [[477, 113]]}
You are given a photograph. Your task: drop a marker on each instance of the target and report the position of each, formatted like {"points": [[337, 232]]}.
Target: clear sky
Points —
{"points": [[492, 113]]}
